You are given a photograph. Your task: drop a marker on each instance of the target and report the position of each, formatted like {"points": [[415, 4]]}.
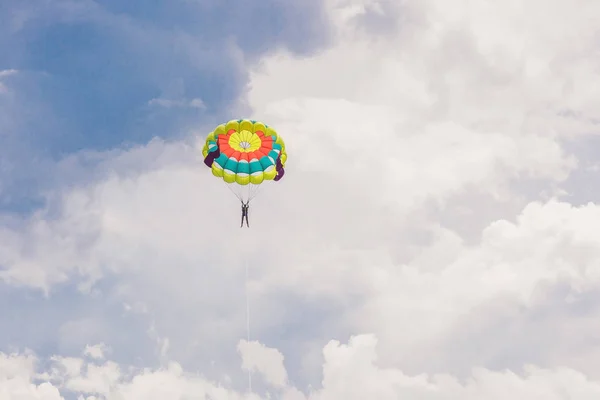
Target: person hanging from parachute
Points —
{"points": [[245, 207], [245, 153]]}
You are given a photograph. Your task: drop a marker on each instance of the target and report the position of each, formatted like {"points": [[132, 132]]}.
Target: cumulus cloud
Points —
{"points": [[423, 202], [17, 379], [96, 352], [257, 357], [350, 372]]}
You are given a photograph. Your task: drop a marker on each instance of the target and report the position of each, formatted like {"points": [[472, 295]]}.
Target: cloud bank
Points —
{"points": [[435, 236]]}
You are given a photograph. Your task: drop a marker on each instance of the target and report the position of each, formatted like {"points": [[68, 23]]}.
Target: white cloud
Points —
{"points": [[98, 379], [350, 371], [4, 73], [96, 351], [7, 72], [399, 139], [17, 379], [257, 357], [170, 103]]}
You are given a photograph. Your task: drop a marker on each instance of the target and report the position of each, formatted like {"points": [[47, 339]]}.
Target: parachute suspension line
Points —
{"points": [[254, 189], [244, 195], [231, 190], [248, 322]]}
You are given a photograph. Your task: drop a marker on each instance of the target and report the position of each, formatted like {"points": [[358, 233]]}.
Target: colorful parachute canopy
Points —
{"points": [[245, 152]]}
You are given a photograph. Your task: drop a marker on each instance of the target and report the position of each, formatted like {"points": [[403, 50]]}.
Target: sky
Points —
{"points": [[435, 237]]}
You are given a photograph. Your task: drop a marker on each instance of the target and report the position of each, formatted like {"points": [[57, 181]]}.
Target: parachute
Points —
{"points": [[245, 153]]}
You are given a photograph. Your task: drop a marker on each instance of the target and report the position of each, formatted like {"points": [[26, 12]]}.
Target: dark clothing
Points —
{"points": [[245, 208]]}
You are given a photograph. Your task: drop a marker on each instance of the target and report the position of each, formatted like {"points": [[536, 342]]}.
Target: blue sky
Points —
{"points": [[88, 72]]}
